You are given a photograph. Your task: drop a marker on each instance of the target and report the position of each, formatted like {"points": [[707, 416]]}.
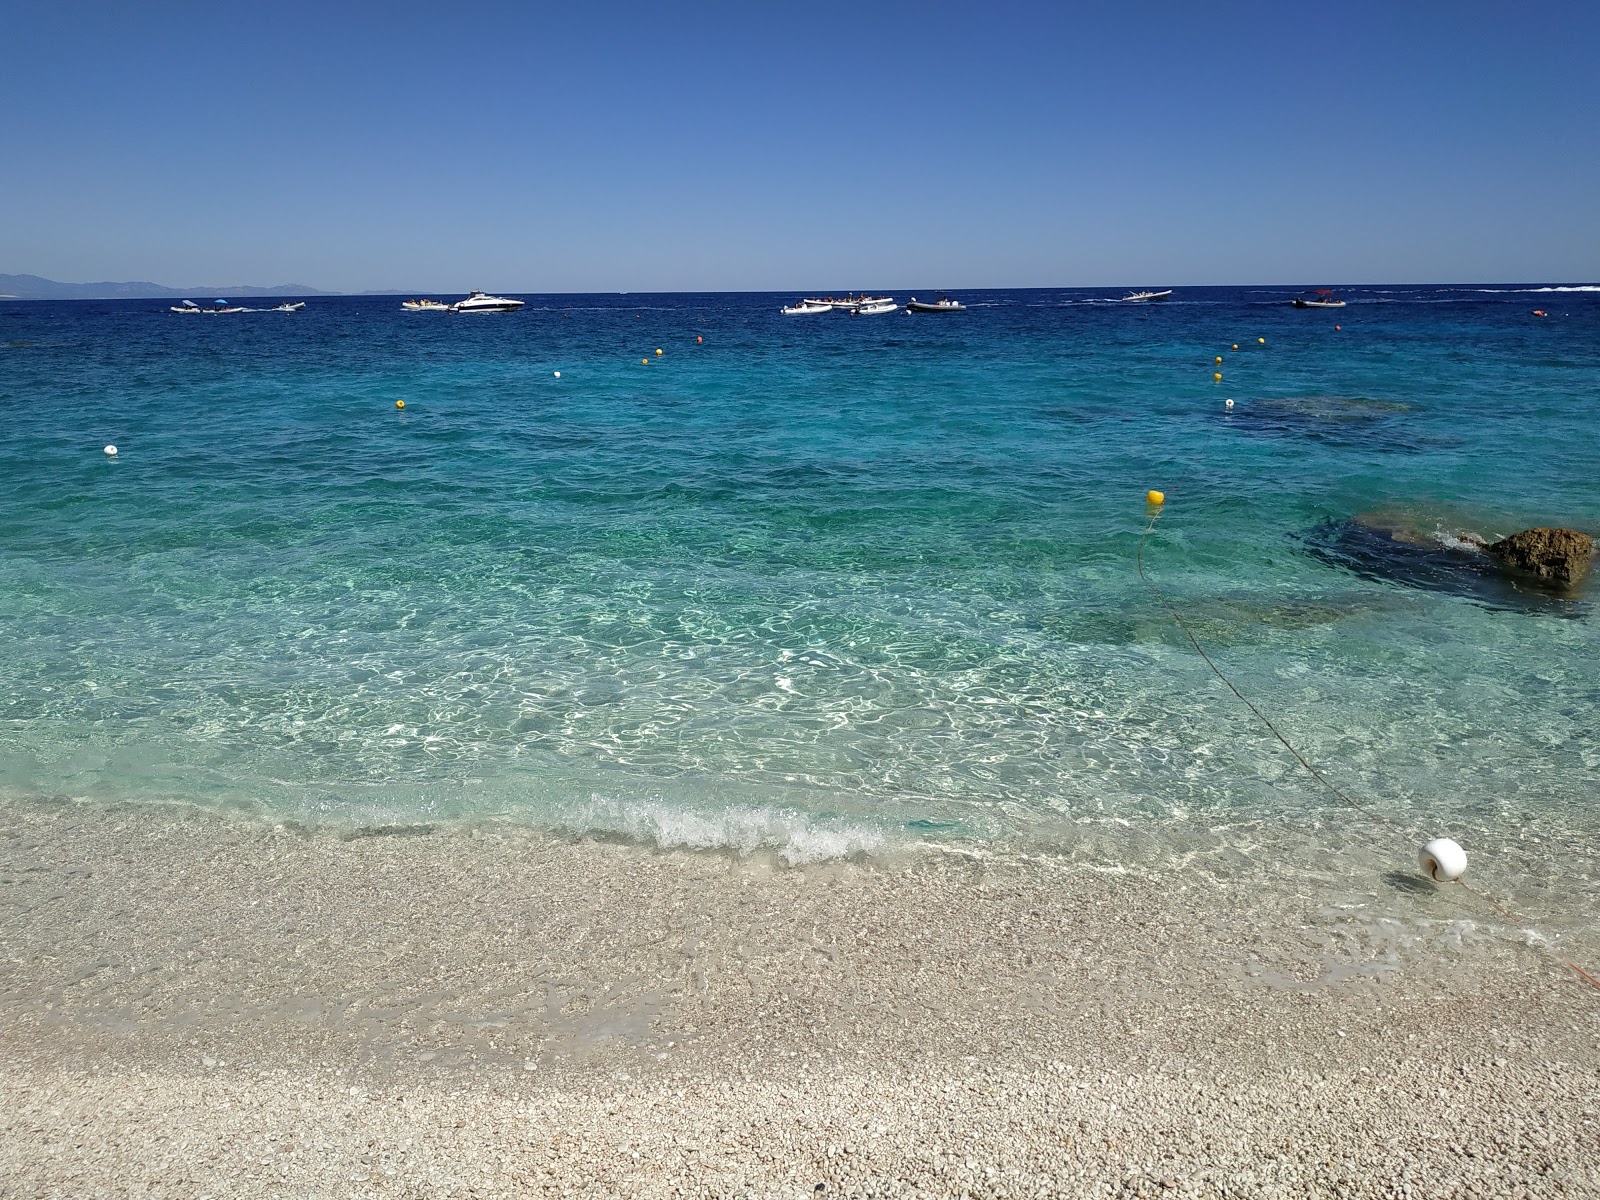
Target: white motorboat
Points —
{"points": [[221, 306], [875, 307], [942, 304], [295, 307], [1321, 298], [848, 304], [425, 306], [480, 302], [1136, 296], [806, 306]]}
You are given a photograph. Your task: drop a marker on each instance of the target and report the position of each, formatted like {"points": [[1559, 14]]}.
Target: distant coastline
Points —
{"points": [[35, 287]]}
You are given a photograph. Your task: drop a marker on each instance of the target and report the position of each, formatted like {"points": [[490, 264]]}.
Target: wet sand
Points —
{"points": [[193, 1004]]}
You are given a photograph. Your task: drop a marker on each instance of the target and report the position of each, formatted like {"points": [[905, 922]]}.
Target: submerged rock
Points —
{"points": [[1380, 548], [1559, 555], [1339, 420]]}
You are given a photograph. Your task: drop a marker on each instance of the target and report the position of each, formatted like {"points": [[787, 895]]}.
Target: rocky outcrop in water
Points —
{"points": [[1537, 570], [1561, 556]]}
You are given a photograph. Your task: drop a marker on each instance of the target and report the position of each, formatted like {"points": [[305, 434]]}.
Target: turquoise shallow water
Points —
{"points": [[820, 585]]}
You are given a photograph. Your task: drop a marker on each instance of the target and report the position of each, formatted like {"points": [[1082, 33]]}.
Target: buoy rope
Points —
{"points": [[1245, 700], [1371, 814], [1520, 920]]}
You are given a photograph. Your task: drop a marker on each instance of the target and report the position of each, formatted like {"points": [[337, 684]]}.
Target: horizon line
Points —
{"points": [[306, 289]]}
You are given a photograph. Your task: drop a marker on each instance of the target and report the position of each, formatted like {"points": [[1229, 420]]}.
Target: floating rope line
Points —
{"points": [[1365, 811], [1200, 650]]}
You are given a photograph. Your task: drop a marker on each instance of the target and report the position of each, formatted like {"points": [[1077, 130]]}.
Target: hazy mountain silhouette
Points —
{"points": [[32, 287]]}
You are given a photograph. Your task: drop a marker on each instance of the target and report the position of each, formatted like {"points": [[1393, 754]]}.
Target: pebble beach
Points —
{"points": [[689, 749], [195, 1005]]}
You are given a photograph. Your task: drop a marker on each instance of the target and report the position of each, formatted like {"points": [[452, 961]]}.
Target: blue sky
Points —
{"points": [[600, 147]]}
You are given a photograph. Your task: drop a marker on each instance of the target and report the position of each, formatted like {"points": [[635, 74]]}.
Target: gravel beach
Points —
{"points": [[203, 1005]]}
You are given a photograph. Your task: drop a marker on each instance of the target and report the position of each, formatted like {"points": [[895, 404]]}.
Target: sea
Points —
{"points": [[681, 570]]}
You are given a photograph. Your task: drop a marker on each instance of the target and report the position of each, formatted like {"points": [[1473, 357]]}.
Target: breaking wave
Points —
{"points": [[794, 837]]}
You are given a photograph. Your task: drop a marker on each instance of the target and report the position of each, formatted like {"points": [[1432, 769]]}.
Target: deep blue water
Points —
{"points": [[816, 583]]}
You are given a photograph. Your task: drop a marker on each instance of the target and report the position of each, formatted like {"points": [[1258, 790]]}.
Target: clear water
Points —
{"points": [[820, 584]]}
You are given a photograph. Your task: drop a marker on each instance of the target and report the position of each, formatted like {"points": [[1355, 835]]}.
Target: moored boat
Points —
{"points": [[425, 306], [482, 302], [942, 305], [875, 307], [806, 306]]}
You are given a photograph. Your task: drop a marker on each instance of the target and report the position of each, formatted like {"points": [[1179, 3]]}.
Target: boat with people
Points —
{"points": [[288, 307], [1146, 296], [1321, 298], [846, 303], [483, 302], [221, 306], [425, 306], [805, 307], [942, 304], [875, 307]]}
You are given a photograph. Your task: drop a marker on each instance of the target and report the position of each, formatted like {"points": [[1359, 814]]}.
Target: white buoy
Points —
{"points": [[1229, 403], [558, 374], [112, 451], [1442, 859]]}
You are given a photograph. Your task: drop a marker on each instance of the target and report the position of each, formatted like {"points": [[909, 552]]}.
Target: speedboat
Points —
{"points": [[480, 302], [286, 307], [1321, 298], [1148, 295], [188, 306], [425, 306], [806, 306], [875, 307], [942, 304]]}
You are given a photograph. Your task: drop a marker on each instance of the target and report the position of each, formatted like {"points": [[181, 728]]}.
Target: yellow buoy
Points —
{"points": [[399, 403], [1236, 345], [658, 351], [1216, 377], [1219, 358], [645, 361], [1263, 341], [1155, 497]]}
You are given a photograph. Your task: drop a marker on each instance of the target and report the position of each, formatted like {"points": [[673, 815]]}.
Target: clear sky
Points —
{"points": [[593, 146]]}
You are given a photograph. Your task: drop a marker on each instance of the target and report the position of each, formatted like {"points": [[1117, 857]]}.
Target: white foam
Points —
{"points": [[1585, 287], [1456, 539], [744, 829]]}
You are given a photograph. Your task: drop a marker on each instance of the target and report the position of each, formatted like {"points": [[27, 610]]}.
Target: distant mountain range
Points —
{"points": [[32, 287]]}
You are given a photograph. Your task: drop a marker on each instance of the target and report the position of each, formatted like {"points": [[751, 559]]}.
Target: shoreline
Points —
{"points": [[196, 1004]]}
